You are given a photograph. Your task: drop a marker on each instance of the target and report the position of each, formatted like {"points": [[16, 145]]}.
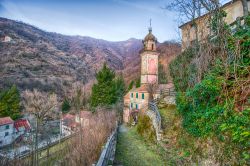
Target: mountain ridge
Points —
{"points": [[51, 61]]}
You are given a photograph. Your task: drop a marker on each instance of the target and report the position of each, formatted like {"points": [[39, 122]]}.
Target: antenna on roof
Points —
{"points": [[150, 27]]}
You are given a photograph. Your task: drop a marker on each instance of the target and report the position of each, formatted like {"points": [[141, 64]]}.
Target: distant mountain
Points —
{"points": [[32, 58]]}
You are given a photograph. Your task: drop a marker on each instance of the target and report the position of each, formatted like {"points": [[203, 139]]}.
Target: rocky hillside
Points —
{"points": [[32, 58]]}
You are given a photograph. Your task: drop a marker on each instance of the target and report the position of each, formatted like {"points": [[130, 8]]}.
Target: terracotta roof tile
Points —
{"points": [[22, 123], [6, 120]]}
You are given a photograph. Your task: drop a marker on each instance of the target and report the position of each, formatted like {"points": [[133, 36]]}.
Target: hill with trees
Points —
{"points": [[52, 62]]}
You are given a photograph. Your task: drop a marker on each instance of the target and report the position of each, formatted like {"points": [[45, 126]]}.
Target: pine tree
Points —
{"points": [[104, 92], [131, 84], [10, 103], [138, 83], [65, 106], [120, 87]]}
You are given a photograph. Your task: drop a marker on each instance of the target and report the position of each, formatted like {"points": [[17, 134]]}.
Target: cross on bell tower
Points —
{"points": [[150, 27]]}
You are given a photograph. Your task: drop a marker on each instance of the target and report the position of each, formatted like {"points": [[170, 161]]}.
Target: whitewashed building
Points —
{"points": [[7, 132], [12, 130]]}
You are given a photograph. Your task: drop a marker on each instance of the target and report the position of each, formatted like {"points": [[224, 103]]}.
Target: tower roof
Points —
{"points": [[150, 36]]}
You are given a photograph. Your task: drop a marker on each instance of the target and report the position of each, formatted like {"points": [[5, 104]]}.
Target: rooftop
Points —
{"points": [[22, 123], [6, 120]]}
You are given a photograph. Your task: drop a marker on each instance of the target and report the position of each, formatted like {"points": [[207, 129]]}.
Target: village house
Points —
{"points": [[6, 131], [71, 122], [21, 126], [68, 124], [7, 39], [11, 130], [234, 11]]}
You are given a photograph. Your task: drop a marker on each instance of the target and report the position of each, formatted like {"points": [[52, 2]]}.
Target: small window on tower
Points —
{"points": [[152, 46]]}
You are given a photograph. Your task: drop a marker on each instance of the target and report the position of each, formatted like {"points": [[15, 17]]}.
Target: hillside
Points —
{"points": [[49, 61]]}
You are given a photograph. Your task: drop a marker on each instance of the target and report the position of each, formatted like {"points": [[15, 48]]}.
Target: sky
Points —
{"points": [[113, 20]]}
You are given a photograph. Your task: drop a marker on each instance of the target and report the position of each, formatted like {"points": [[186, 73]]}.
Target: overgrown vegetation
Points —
{"points": [[145, 128], [95, 132], [217, 104], [10, 103]]}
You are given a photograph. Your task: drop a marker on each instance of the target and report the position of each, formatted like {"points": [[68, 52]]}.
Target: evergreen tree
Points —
{"points": [[120, 87], [65, 106], [10, 103], [131, 85], [138, 83], [104, 92]]}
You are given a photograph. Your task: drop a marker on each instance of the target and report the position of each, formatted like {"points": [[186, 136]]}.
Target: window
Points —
{"points": [[7, 127], [136, 106], [137, 95], [131, 105], [132, 95], [6, 134], [152, 46], [142, 95]]}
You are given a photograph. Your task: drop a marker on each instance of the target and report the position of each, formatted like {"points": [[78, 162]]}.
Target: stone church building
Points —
{"points": [[137, 99]]}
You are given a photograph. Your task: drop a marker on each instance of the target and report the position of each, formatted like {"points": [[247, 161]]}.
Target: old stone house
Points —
{"points": [[234, 10]]}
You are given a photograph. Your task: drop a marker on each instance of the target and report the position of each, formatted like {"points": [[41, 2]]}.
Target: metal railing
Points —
{"points": [[153, 107], [108, 151]]}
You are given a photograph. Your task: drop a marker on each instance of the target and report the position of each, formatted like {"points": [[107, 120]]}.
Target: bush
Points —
{"points": [[145, 128]]}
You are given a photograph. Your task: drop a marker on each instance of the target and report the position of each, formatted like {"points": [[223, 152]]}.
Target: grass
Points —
{"points": [[134, 150], [55, 152]]}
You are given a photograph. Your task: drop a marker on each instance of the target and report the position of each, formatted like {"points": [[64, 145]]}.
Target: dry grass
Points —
{"points": [[85, 148]]}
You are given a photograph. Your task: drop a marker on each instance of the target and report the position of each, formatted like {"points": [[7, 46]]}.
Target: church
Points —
{"points": [[137, 99]]}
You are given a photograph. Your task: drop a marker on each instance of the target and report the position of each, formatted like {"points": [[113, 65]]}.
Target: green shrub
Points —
{"points": [[145, 128], [208, 108], [65, 106]]}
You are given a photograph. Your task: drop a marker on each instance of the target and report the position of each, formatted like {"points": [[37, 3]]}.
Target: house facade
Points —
{"points": [[11, 130], [234, 10], [6, 131], [70, 123]]}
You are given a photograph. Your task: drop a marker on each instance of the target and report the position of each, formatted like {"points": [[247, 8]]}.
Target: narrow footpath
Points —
{"points": [[133, 150]]}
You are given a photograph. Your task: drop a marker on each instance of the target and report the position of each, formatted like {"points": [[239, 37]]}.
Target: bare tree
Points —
{"points": [[43, 107], [151, 88]]}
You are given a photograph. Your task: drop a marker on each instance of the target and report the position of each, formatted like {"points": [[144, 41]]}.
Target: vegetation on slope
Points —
{"points": [[10, 103], [217, 105]]}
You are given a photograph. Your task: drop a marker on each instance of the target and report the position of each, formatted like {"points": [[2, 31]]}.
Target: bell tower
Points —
{"points": [[149, 59]]}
